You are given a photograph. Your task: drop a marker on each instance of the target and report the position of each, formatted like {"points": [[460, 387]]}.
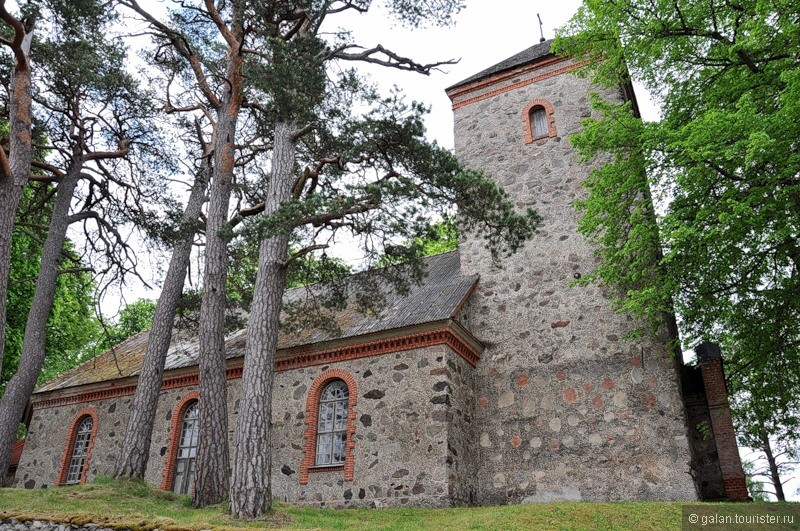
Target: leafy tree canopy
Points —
{"points": [[133, 318], [72, 330]]}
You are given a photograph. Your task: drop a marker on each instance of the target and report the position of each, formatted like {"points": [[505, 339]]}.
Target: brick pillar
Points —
{"points": [[730, 464]]}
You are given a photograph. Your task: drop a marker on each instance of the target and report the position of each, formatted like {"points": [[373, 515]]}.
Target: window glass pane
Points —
{"points": [[180, 470], [538, 121], [332, 423], [341, 415], [338, 447], [190, 476], [324, 449], [334, 390], [325, 422]]}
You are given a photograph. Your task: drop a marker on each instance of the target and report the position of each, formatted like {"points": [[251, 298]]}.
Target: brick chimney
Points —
{"points": [[710, 358]]}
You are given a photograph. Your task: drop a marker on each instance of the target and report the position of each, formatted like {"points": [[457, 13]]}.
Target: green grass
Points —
{"points": [[134, 505]]}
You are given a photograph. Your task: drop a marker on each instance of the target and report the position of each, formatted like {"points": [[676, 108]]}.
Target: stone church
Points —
{"points": [[482, 385]]}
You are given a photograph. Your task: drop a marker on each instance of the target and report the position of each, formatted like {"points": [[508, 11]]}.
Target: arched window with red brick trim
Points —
{"points": [[330, 425], [179, 467], [539, 120], [78, 450], [187, 450]]}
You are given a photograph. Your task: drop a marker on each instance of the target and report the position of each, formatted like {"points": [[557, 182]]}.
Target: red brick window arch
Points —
{"points": [[330, 425], [178, 473], [78, 449], [539, 120]]}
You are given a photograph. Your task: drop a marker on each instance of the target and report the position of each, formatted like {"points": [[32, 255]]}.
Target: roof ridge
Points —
{"points": [[531, 54]]}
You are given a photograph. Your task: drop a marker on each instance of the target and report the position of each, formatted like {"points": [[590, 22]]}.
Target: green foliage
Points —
{"points": [[724, 164], [386, 182], [754, 487], [441, 237], [304, 270], [72, 329], [414, 14], [133, 318], [295, 78]]}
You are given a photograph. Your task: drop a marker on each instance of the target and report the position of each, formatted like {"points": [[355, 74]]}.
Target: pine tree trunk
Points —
{"points": [[773, 467], [20, 387], [132, 459], [212, 463], [14, 177], [250, 493]]}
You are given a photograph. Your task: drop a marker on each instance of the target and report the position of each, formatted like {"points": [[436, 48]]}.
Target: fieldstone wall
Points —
{"points": [[414, 443], [47, 436], [408, 404], [12, 524], [566, 410], [462, 450]]}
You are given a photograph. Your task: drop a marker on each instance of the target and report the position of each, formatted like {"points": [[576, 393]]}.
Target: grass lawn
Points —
{"points": [[134, 505]]}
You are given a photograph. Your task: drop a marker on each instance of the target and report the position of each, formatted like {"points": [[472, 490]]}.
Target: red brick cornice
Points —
{"points": [[502, 76], [295, 359], [513, 86], [440, 336]]}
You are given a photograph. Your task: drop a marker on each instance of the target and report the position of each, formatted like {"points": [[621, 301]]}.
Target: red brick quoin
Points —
{"points": [[63, 470], [176, 423], [551, 123], [312, 411]]}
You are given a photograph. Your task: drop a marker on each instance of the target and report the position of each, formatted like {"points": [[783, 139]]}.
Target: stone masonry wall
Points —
{"points": [[47, 436], [403, 416], [462, 452], [409, 406], [566, 410]]}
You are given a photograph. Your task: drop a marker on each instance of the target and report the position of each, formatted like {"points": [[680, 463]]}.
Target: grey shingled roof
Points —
{"points": [[531, 55], [437, 298]]}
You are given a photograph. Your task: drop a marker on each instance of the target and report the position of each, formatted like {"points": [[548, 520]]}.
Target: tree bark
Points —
{"points": [[132, 459], [766, 446], [14, 169], [20, 387], [212, 464], [250, 493]]}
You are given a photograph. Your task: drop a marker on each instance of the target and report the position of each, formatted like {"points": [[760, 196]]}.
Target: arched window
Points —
{"points": [[329, 438], [80, 449], [187, 451], [332, 424], [538, 120], [181, 450]]}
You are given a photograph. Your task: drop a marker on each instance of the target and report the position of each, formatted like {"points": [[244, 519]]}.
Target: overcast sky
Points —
{"points": [[485, 33]]}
